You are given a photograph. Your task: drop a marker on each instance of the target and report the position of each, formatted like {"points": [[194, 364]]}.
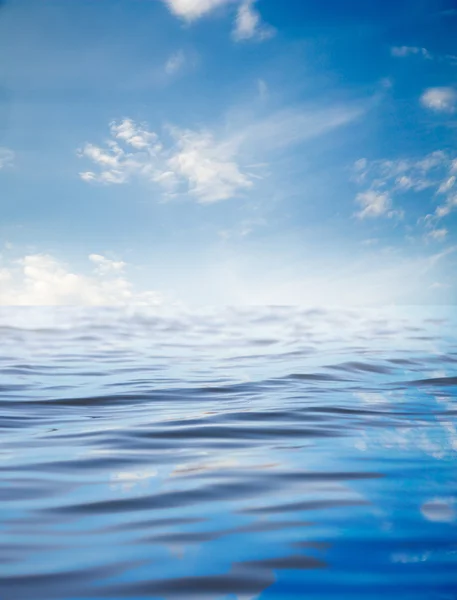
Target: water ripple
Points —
{"points": [[242, 454]]}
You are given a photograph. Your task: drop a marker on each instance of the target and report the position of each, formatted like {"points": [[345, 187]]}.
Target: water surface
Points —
{"points": [[228, 455]]}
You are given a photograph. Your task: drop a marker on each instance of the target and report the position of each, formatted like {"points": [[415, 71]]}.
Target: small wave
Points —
{"points": [[259, 453]]}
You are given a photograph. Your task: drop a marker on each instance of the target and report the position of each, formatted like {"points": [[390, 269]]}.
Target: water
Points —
{"points": [[232, 455]]}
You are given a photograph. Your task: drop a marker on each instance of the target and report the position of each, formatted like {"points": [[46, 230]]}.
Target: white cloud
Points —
{"points": [[432, 161], [116, 164], [433, 172], [441, 99], [191, 10], [114, 176], [438, 235], [137, 136], [106, 265], [194, 163], [202, 164], [374, 204], [175, 62], [405, 183], [248, 24], [40, 279], [406, 51], [376, 278], [6, 157], [209, 168], [447, 185], [445, 209], [403, 51]]}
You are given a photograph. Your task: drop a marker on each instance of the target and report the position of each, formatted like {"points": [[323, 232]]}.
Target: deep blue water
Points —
{"points": [[234, 455]]}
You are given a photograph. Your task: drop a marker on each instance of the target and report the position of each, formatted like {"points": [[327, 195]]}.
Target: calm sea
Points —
{"points": [[263, 453]]}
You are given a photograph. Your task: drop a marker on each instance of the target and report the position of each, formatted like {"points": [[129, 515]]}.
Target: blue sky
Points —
{"points": [[228, 151]]}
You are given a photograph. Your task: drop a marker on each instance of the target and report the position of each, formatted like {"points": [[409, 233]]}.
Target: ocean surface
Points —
{"points": [[238, 454]]}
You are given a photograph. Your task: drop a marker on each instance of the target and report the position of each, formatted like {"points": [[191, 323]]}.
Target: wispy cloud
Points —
{"points": [[439, 234], [385, 179], [408, 51], [203, 164], [6, 157], [295, 125], [445, 209], [41, 280], [440, 99], [106, 265], [249, 26], [245, 228], [374, 204], [434, 259], [403, 51], [262, 88], [175, 63]]}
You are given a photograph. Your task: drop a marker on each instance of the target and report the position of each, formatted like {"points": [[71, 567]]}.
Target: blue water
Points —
{"points": [[263, 453]]}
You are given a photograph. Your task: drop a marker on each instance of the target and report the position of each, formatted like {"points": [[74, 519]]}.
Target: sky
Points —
{"points": [[228, 152]]}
